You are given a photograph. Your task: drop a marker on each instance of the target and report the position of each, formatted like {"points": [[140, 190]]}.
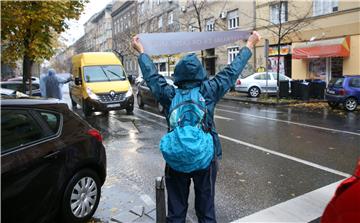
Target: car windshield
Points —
{"points": [[104, 73], [336, 82]]}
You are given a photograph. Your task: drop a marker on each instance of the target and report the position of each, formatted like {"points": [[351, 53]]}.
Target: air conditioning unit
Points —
{"points": [[183, 8], [223, 15]]}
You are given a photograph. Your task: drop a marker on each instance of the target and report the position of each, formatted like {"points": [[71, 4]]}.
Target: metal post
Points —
{"points": [[266, 52], [160, 200]]}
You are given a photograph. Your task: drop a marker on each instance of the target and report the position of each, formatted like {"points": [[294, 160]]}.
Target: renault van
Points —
{"points": [[100, 83]]}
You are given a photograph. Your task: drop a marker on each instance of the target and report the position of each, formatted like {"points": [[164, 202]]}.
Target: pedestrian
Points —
{"points": [[53, 84], [194, 91]]}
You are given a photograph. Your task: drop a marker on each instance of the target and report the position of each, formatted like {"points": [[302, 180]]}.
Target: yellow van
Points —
{"points": [[100, 83]]}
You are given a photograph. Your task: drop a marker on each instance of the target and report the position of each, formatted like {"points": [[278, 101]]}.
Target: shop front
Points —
{"points": [[284, 60], [324, 58]]}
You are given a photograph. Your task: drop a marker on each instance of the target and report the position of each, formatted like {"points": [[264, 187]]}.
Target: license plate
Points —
{"points": [[331, 92], [113, 105]]}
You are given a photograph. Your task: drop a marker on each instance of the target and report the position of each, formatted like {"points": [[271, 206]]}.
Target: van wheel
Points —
{"points": [[130, 109], [140, 101], [73, 103], [86, 109], [81, 196]]}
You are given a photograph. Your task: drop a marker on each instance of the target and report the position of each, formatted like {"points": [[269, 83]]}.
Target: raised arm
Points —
{"points": [[162, 91], [225, 79]]}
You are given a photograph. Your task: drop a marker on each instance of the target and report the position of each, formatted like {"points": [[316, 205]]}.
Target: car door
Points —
{"points": [[260, 80], [146, 94], [76, 90], [30, 164]]}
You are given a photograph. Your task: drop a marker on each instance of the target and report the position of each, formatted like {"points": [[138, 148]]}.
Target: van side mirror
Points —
{"points": [[78, 81]]}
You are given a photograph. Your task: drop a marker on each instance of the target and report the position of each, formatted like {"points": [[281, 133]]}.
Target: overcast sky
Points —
{"points": [[76, 29]]}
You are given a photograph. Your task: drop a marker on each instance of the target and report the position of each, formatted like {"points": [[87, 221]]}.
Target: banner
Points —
{"points": [[178, 42]]}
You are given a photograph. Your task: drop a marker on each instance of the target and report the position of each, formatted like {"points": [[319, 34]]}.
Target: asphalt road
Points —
{"points": [[271, 156]]}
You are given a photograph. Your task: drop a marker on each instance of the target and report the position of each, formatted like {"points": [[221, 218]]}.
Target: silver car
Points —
{"points": [[255, 84]]}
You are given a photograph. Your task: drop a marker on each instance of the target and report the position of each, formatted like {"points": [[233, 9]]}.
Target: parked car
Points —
{"points": [[344, 90], [33, 79], [100, 83], [17, 86], [344, 206], [52, 163], [144, 95], [12, 93], [255, 84]]}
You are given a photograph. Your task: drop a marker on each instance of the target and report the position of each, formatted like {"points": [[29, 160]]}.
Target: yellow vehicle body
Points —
{"points": [[100, 83]]}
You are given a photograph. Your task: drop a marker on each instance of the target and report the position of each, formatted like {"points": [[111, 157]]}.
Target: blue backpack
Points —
{"points": [[188, 146]]}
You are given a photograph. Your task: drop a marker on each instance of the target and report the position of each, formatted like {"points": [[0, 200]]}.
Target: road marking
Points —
{"points": [[268, 151], [304, 208], [262, 110], [222, 117], [290, 122], [286, 156]]}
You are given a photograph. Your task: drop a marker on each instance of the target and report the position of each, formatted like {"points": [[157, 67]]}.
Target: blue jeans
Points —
{"points": [[178, 185]]}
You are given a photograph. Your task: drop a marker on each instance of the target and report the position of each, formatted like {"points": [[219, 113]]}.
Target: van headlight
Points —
{"points": [[129, 93], [91, 94]]}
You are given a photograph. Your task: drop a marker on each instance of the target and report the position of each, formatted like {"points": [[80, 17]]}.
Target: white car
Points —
{"points": [[255, 84]]}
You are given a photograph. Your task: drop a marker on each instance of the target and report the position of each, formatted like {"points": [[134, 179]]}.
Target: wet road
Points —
{"points": [[270, 155]]}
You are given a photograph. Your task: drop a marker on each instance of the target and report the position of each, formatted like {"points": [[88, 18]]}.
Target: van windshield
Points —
{"points": [[104, 73]]}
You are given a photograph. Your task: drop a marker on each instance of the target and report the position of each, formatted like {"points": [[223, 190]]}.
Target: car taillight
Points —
{"points": [[96, 134], [238, 82], [342, 92], [345, 185]]}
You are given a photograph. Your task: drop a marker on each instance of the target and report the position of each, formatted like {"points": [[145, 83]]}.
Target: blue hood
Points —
{"points": [[51, 72], [189, 69]]}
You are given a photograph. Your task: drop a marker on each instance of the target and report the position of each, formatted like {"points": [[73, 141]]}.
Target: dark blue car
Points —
{"points": [[344, 90]]}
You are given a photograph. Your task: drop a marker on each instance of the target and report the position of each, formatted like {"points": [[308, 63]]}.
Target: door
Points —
{"points": [[76, 90], [146, 94], [265, 82], [31, 163]]}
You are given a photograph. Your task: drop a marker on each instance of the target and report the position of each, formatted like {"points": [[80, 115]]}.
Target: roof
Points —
{"points": [[96, 58], [122, 7], [30, 101]]}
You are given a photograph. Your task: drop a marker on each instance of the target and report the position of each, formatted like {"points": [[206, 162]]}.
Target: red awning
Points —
{"points": [[339, 47]]}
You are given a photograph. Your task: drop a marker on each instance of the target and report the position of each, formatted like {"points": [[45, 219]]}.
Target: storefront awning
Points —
{"points": [[339, 47]]}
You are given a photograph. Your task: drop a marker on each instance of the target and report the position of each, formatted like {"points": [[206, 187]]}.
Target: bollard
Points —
{"points": [[160, 200]]}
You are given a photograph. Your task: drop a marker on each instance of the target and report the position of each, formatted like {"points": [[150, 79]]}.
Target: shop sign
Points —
{"points": [[284, 50]]}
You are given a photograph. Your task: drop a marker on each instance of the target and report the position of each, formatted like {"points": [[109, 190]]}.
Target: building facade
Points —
{"points": [[324, 45], [125, 25], [209, 16]]}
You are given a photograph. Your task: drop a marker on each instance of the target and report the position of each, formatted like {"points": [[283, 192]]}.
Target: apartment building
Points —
{"points": [[324, 45]]}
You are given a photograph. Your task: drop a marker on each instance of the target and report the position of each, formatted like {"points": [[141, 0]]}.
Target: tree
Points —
{"points": [[28, 30], [280, 27]]}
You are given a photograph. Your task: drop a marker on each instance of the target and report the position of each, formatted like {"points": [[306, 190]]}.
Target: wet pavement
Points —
{"points": [[270, 155]]}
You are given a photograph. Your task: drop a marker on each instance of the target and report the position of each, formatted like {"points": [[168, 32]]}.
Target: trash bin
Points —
{"points": [[304, 90], [317, 89], [284, 89], [295, 88]]}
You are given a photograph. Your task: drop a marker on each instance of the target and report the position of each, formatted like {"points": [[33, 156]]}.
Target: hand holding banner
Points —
{"points": [[178, 42]]}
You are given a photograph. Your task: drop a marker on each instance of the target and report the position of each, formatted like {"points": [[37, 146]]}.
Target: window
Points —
{"points": [[354, 82], [281, 77], [103, 73], [191, 28], [142, 8], [161, 66], [158, 2], [170, 18], [321, 7], [160, 22], [275, 10], [18, 128], [262, 77], [210, 25], [52, 120], [232, 52], [233, 19]]}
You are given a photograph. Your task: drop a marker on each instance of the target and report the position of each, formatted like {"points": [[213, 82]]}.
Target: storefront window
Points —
{"points": [[336, 67], [272, 65], [317, 68]]}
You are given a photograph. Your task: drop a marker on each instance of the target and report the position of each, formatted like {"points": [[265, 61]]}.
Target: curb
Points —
{"points": [[237, 99]]}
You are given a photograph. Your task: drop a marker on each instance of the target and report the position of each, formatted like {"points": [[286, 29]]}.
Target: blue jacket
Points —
{"points": [[190, 73]]}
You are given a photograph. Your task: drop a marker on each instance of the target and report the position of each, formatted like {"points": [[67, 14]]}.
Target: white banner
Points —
{"points": [[178, 42]]}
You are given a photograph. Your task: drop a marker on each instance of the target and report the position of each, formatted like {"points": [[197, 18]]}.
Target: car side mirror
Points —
{"points": [[78, 81], [130, 77]]}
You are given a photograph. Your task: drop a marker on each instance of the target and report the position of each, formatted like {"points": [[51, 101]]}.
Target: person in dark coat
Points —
{"points": [[189, 73]]}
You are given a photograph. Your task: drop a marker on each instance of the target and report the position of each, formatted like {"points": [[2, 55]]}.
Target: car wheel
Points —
{"points": [[86, 109], [160, 107], [140, 101], [73, 103], [350, 104], [333, 104], [81, 196], [254, 92]]}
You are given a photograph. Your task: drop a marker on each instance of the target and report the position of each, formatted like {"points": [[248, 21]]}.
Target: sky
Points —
{"points": [[76, 29]]}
